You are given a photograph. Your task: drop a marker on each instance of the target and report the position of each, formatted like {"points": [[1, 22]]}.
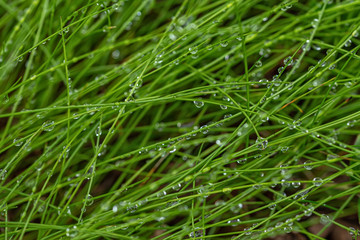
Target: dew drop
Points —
{"points": [[258, 63], [306, 46], [17, 142], [284, 149], [72, 231], [261, 143], [317, 182], [236, 208], [176, 187], [224, 43], [161, 194], [193, 50], [48, 126], [309, 211], [89, 200], [199, 103], [3, 173], [224, 107], [324, 219], [115, 54], [308, 167], [204, 131], [288, 61], [348, 43], [314, 22], [98, 131]]}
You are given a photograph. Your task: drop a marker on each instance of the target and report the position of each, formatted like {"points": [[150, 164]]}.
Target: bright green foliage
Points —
{"points": [[206, 119]]}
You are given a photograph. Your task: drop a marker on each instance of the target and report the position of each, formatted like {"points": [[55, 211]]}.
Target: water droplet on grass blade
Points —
{"points": [[89, 200], [314, 22], [48, 126], [272, 206], [258, 63], [98, 131], [3, 173], [308, 167], [224, 43], [17, 142], [115, 54], [72, 232], [324, 219], [348, 43], [288, 61], [199, 103], [261, 143], [317, 182]]}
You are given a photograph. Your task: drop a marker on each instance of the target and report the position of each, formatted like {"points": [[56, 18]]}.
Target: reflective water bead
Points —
{"points": [[261, 143], [348, 43], [17, 142], [72, 231], [115, 54], [284, 149], [284, 183], [296, 184], [351, 123], [115, 208], [352, 231], [224, 43], [223, 107], [314, 23], [355, 33], [236, 208], [161, 194], [242, 161], [48, 126], [306, 46], [258, 63], [265, 52], [308, 167], [309, 211], [289, 222], [317, 182], [89, 200], [324, 219], [272, 207], [138, 82], [234, 222], [278, 224], [98, 131], [288, 61], [3, 173], [196, 234], [199, 103], [263, 81], [176, 187], [6, 99], [280, 69], [204, 131], [316, 47], [193, 50]]}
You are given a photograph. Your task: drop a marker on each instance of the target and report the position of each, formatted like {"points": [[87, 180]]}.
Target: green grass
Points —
{"points": [[178, 119]]}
